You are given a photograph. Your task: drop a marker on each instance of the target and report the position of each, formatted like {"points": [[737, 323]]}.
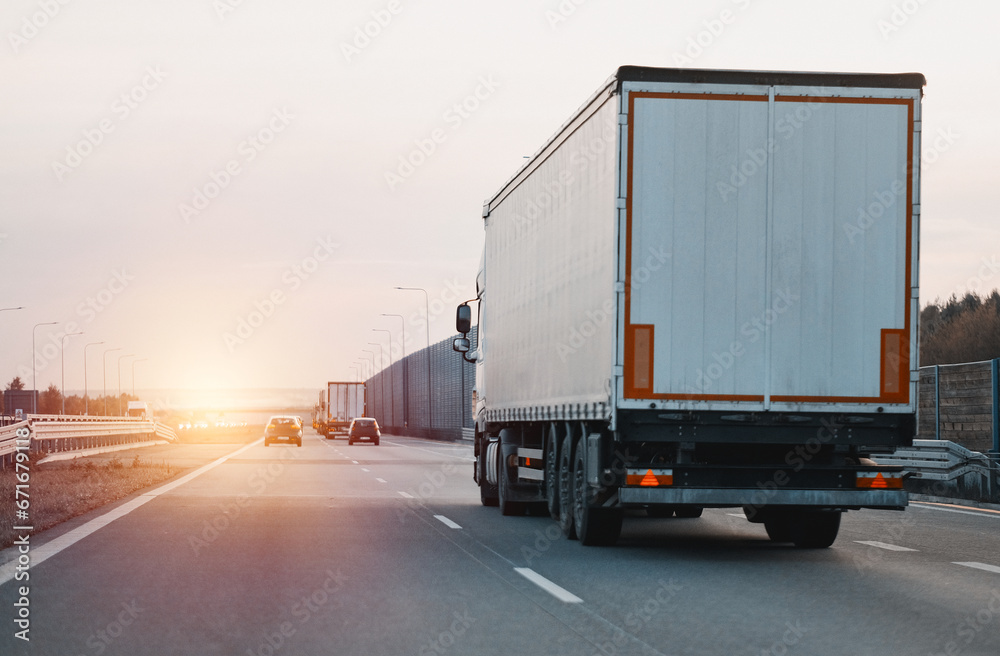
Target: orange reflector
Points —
{"points": [[879, 481], [527, 462], [649, 478]]}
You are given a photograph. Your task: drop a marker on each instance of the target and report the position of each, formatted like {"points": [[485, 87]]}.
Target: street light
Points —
{"points": [[62, 362], [120, 358], [427, 310], [133, 372], [392, 378], [86, 401], [381, 367], [104, 369], [34, 381], [371, 353], [5, 309], [402, 326], [357, 372]]}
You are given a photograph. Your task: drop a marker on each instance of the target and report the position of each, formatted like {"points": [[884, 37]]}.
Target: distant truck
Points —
{"points": [[344, 402], [702, 292], [139, 409]]}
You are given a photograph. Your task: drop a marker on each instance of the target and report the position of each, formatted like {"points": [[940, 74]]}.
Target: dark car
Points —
{"points": [[283, 428], [363, 428]]}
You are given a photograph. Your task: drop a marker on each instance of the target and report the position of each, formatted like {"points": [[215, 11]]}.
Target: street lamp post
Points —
{"points": [[427, 310], [62, 363], [34, 381], [402, 326], [104, 361], [381, 366], [120, 358], [133, 372], [357, 373], [392, 378], [372, 353], [86, 400]]}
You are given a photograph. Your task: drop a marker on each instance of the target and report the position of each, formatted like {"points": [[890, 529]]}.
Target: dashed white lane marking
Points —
{"points": [[740, 515], [365, 470], [562, 594], [444, 520], [405, 495], [982, 566], [884, 545], [355, 462], [381, 480]]}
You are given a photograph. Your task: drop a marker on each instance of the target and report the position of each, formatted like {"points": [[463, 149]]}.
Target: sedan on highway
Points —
{"points": [[363, 428], [283, 428]]}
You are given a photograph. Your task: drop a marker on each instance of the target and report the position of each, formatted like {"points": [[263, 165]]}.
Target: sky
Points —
{"points": [[229, 191]]}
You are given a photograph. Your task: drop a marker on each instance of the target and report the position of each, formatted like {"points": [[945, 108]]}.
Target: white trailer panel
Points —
{"points": [[789, 217]]}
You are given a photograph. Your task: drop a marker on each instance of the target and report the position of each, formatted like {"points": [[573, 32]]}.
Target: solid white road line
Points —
{"points": [[559, 593], [982, 566], [405, 495], [447, 522], [980, 513], [884, 545], [66, 540]]}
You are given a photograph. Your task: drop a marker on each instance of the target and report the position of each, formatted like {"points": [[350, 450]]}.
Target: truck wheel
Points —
{"points": [[688, 512], [660, 512], [594, 526], [778, 526], [816, 529], [552, 475], [508, 508], [488, 494], [565, 484]]}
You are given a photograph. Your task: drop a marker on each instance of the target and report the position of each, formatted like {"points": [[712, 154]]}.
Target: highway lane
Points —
{"points": [[337, 549]]}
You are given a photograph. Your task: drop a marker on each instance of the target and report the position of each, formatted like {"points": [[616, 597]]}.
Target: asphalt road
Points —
{"points": [[337, 549]]}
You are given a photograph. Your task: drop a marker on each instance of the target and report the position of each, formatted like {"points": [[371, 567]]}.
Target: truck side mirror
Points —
{"points": [[463, 320], [461, 345]]}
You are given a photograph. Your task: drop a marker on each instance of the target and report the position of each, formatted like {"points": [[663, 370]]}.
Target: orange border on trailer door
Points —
{"points": [[894, 342]]}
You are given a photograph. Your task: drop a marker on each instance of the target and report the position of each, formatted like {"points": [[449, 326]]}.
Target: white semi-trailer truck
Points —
{"points": [[702, 292], [344, 402]]}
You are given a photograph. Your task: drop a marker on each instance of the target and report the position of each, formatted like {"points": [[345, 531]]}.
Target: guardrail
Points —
{"points": [[954, 470], [51, 433]]}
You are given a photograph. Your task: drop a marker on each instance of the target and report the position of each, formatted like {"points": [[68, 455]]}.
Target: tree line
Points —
{"points": [[50, 402], [958, 330]]}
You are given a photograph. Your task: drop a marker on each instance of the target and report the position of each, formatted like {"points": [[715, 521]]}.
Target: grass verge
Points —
{"points": [[62, 490]]}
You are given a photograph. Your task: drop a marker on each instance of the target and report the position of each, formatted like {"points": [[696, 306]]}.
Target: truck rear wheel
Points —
{"points": [[816, 529], [488, 494], [594, 526], [565, 483]]}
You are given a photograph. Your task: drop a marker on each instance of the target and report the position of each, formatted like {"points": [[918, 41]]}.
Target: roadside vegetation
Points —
{"points": [[66, 489], [958, 330]]}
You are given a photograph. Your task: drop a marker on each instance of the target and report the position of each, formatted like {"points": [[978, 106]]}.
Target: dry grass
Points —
{"points": [[63, 490]]}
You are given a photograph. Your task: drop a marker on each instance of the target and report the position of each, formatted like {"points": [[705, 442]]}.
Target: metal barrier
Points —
{"points": [[955, 471], [50, 433]]}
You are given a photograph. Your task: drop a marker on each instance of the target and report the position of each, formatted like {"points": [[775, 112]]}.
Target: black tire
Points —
{"points": [[594, 526], [816, 529], [565, 485], [350, 442], [552, 474], [779, 527], [488, 494], [376, 442], [508, 508], [688, 512], [660, 512]]}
